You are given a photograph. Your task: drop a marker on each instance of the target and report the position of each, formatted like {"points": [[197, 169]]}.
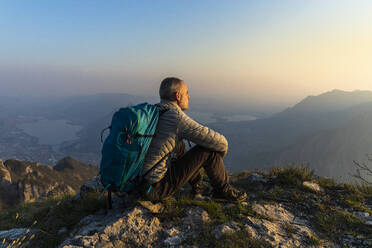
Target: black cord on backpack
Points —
{"points": [[109, 127]]}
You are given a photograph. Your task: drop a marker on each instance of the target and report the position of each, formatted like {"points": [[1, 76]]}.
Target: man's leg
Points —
{"points": [[195, 180], [187, 168]]}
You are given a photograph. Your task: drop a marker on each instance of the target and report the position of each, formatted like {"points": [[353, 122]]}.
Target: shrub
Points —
{"points": [[292, 175]]}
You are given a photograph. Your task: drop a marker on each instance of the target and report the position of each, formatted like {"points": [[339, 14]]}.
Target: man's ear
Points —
{"points": [[178, 96]]}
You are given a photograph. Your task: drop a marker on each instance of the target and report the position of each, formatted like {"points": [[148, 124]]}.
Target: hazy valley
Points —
{"points": [[327, 132]]}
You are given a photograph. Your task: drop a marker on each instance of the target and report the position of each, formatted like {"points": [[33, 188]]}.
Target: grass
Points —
{"points": [[289, 228], [175, 209], [50, 216], [292, 175], [217, 212], [337, 222], [327, 183], [298, 196], [312, 240], [364, 188], [239, 239]]}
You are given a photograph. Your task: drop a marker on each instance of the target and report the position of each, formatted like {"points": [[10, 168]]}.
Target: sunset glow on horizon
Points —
{"points": [[273, 51]]}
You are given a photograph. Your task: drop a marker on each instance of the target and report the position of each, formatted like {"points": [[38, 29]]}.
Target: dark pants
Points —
{"points": [[187, 169]]}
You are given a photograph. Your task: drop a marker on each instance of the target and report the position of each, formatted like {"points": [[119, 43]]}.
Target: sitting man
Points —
{"points": [[165, 168]]}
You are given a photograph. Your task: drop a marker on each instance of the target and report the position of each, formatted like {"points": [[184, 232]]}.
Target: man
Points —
{"points": [[165, 168]]}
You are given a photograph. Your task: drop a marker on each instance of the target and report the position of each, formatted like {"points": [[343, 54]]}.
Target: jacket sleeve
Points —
{"points": [[201, 135]]}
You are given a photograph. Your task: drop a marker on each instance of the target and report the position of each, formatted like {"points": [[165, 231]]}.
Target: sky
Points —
{"points": [[262, 52]]}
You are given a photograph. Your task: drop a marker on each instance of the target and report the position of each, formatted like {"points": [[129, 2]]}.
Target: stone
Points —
{"points": [[196, 217], [172, 232], [93, 185], [254, 177], [131, 228], [153, 208], [273, 211], [251, 231], [275, 231], [200, 197], [363, 215], [5, 177], [313, 186], [226, 228], [175, 240]]}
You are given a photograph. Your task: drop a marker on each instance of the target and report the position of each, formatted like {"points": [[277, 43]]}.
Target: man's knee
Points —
{"points": [[208, 150]]}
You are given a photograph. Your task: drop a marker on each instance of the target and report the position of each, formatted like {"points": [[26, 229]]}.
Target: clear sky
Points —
{"points": [[261, 51]]}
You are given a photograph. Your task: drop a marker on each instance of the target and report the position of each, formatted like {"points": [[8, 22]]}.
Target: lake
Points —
{"points": [[51, 132], [207, 118]]}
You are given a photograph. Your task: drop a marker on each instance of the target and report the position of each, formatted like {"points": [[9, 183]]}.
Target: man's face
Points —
{"points": [[183, 97]]}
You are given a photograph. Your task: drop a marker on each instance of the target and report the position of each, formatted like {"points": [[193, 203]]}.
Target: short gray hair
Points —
{"points": [[168, 88]]}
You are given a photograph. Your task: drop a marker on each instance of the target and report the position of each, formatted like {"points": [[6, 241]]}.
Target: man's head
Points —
{"points": [[175, 90]]}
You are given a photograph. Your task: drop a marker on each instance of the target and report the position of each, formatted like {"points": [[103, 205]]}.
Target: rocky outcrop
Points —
{"points": [[23, 181], [30, 192], [132, 228], [138, 227], [279, 227], [5, 178], [279, 212]]}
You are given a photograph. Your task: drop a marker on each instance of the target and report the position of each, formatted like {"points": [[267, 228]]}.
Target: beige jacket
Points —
{"points": [[173, 126]]}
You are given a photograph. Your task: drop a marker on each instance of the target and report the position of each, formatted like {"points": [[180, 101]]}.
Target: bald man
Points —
{"points": [[168, 166]]}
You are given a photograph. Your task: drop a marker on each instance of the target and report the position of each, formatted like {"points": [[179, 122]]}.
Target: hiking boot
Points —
{"points": [[229, 194]]}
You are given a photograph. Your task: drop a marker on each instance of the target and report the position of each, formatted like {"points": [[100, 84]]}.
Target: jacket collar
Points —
{"points": [[168, 104]]}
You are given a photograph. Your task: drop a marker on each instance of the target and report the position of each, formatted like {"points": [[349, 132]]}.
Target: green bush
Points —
{"points": [[293, 175]]}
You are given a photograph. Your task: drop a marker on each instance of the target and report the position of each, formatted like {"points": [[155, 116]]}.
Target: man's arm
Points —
{"points": [[201, 135]]}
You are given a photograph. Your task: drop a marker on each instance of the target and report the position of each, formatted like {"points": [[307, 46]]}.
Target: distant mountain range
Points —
{"points": [[326, 132]]}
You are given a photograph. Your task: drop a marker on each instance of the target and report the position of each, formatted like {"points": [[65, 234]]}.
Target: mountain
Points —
{"points": [[332, 152], [23, 181], [263, 142], [283, 138]]}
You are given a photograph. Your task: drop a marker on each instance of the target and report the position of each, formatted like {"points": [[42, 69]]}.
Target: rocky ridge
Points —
{"points": [[286, 208], [23, 181]]}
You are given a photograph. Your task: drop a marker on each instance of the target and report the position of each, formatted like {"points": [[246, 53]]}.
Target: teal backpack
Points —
{"points": [[125, 148]]}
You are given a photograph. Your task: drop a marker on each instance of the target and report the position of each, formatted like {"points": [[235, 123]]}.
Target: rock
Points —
{"points": [[363, 215], [282, 230], [254, 177], [24, 181], [196, 217], [172, 232], [153, 208], [93, 185], [175, 240], [30, 192], [5, 177], [131, 228], [200, 197], [226, 228], [313, 186], [273, 211], [251, 231]]}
